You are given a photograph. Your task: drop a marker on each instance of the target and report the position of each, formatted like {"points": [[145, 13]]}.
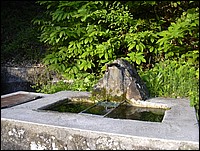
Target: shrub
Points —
{"points": [[174, 79]]}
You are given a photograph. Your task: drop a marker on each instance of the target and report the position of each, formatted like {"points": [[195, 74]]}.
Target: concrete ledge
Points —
{"points": [[24, 127], [24, 92]]}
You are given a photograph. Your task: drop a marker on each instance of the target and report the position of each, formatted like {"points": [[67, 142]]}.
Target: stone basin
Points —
{"points": [[118, 110], [24, 126]]}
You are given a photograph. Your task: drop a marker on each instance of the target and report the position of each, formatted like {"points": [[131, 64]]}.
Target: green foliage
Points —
{"points": [[182, 37], [53, 88], [174, 79], [85, 35], [80, 84]]}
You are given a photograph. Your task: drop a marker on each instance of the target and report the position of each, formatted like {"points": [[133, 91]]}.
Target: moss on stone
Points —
{"points": [[102, 95]]}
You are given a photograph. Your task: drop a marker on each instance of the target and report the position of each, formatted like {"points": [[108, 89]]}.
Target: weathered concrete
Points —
{"points": [[24, 127]]}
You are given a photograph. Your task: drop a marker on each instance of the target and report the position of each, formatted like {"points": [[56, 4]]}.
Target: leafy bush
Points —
{"points": [[86, 35]]}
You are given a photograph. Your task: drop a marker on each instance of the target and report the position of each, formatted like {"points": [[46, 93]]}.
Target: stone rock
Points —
{"points": [[120, 82]]}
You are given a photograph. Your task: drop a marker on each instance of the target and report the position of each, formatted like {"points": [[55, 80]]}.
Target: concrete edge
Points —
{"points": [[24, 92]]}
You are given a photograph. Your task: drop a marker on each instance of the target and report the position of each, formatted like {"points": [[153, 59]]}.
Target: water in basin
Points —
{"points": [[121, 110]]}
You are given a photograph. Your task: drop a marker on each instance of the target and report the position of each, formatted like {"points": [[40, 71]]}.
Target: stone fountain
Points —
{"points": [[32, 125]]}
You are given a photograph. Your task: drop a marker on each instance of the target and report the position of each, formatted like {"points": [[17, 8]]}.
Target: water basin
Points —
{"points": [[122, 110], [127, 111]]}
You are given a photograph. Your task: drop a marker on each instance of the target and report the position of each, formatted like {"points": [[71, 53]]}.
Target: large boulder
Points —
{"points": [[120, 82]]}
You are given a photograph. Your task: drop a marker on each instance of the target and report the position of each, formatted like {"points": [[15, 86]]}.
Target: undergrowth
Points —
{"points": [[173, 79]]}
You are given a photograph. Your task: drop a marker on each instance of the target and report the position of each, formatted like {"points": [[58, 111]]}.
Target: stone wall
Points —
{"points": [[22, 74], [22, 78], [19, 135]]}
